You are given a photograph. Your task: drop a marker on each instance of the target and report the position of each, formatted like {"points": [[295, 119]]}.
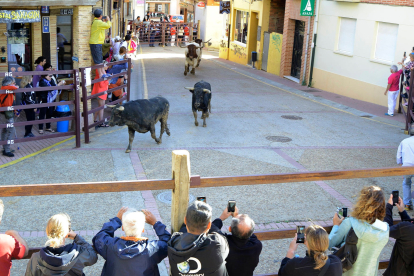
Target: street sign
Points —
{"points": [[224, 7], [45, 24], [66, 11], [307, 8], [201, 5], [45, 9]]}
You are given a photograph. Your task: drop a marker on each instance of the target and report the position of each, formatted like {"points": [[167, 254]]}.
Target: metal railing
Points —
{"points": [[85, 98], [182, 182], [75, 117]]}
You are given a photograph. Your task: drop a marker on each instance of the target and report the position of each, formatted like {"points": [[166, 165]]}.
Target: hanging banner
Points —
{"points": [[19, 16], [307, 8], [224, 7]]}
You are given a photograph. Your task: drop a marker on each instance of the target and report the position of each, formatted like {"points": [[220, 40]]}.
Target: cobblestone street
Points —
{"points": [[260, 124]]}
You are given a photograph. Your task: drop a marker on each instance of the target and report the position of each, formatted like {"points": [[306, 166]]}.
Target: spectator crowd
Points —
{"points": [[201, 248]]}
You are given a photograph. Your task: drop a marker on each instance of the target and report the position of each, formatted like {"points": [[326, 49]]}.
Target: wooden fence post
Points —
{"points": [[181, 172]]}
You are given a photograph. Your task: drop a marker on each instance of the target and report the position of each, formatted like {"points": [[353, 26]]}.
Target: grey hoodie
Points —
{"points": [[70, 260]]}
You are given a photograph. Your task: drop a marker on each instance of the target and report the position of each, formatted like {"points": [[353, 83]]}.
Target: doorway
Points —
{"points": [[297, 49], [64, 42]]}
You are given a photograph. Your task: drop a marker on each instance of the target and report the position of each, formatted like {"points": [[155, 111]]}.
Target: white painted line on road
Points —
{"points": [[144, 77]]}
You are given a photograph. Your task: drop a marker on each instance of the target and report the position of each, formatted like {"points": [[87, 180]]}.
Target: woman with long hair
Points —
{"points": [[60, 259], [40, 62], [373, 234], [316, 260], [27, 99]]}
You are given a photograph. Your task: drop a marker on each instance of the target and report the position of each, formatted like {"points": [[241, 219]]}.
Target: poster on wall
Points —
{"points": [[19, 16], [140, 2], [224, 7]]}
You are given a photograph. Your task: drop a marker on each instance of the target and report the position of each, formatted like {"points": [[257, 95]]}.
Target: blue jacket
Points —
{"points": [[130, 258]]}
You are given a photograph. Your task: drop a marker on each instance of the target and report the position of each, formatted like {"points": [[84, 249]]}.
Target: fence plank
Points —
{"points": [[181, 175], [301, 177], [85, 188]]}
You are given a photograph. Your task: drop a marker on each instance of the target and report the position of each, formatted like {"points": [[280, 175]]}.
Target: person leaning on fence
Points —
{"points": [[98, 28], [131, 254], [117, 94], [372, 232], [244, 246], [195, 250], [28, 98], [60, 259], [316, 262], [393, 89], [117, 46], [12, 246], [122, 54], [8, 84], [402, 256], [405, 158], [47, 97]]}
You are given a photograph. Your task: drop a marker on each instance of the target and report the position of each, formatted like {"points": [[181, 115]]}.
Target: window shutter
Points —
{"points": [[347, 35], [386, 41]]}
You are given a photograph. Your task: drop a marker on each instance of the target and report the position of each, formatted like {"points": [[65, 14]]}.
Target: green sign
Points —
{"points": [[307, 8]]}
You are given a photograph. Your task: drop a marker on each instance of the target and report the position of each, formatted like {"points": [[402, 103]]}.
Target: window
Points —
{"points": [[386, 43], [240, 32], [347, 35]]}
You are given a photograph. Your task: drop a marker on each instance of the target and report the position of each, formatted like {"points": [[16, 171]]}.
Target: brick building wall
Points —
{"points": [[82, 20], [53, 40], [36, 42], [292, 13], [276, 16], [3, 43], [409, 3]]}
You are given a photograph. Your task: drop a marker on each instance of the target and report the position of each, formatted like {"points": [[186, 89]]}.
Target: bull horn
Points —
{"points": [[110, 105], [189, 88], [121, 108], [208, 40], [206, 90]]}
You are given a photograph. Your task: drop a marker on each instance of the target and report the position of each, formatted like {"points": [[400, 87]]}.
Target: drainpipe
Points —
{"points": [[307, 49], [315, 34]]}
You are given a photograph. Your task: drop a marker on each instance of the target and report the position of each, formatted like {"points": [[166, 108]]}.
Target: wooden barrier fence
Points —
{"points": [[182, 181]]}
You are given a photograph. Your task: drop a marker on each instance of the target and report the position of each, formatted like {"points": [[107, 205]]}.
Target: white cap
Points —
{"points": [[117, 37]]}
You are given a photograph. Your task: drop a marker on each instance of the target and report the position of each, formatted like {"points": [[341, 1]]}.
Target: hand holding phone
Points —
{"points": [[231, 206], [300, 232], [395, 196]]}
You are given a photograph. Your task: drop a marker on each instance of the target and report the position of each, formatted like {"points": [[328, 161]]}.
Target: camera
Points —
{"points": [[395, 196], [300, 231], [202, 198], [231, 206], [342, 212]]}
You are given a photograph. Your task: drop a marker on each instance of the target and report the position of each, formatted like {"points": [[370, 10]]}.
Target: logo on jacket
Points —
{"points": [[184, 267]]}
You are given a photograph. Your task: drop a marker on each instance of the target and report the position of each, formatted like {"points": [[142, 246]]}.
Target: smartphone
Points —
{"points": [[231, 206], [104, 18], [345, 212], [339, 212], [300, 231], [395, 196], [202, 198], [405, 54]]}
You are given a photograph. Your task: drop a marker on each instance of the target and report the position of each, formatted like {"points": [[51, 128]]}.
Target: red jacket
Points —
{"points": [[7, 99]]}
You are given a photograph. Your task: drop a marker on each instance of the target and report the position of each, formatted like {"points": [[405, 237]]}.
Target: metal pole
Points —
{"points": [[312, 60], [129, 80]]}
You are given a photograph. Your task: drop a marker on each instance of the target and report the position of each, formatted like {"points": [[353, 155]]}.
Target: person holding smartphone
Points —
{"points": [[402, 255], [316, 262]]}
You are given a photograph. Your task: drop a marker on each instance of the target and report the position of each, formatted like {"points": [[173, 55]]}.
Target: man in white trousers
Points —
{"points": [[392, 89]]}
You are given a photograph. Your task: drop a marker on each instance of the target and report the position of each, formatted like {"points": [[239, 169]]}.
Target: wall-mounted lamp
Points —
{"points": [[3, 49]]}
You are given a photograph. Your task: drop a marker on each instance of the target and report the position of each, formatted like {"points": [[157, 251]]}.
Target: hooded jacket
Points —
{"points": [[372, 238], [402, 255], [305, 266], [67, 260], [202, 255], [127, 258], [244, 253]]}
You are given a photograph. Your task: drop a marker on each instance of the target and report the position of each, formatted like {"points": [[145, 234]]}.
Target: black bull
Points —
{"points": [[141, 116], [201, 100]]}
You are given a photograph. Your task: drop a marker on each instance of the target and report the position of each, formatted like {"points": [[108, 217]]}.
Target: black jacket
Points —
{"points": [[305, 266], [244, 254], [29, 97], [43, 94], [402, 254], [191, 255]]}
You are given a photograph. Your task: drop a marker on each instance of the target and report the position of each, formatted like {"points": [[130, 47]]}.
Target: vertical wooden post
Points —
{"points": [[181, 172], [198, 29], [76, 89], [163, 34]]}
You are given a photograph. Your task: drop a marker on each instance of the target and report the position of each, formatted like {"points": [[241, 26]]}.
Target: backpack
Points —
{"points": [[348, 253]]}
